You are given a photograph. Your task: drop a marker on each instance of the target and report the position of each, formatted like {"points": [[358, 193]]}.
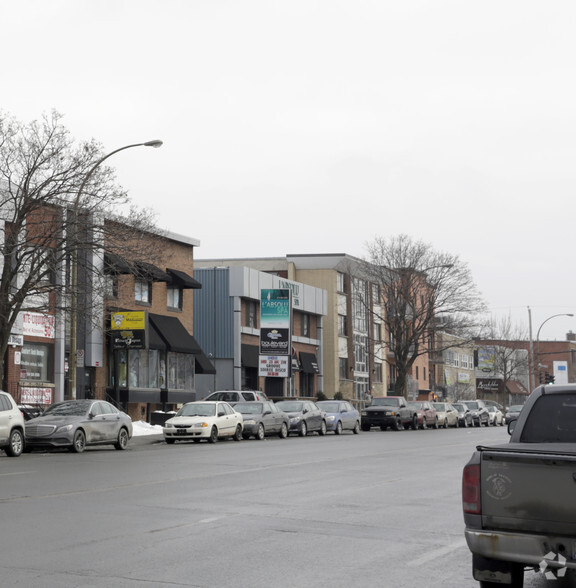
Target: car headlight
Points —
{"points": [[168, 426], [250, 422], [202, 425], [330, 418], [390, 413], [364, 413], [64, 428], [295, 419]]}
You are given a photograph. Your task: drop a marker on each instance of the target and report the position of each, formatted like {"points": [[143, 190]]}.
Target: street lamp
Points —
{"points": [[536, 365], [72, 381]]}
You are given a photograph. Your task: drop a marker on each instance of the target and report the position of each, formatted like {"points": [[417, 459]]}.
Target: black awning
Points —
{"points": [[183, 280], [155, 340], [150, 272], [173, 333], [309, 363], [114, 264], [250, 356], [203, 364]]}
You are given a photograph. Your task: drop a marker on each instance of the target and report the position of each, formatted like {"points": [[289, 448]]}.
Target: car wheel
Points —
{"points": [[338, 429], [356, 428], [261, 433], [414, 424], [238, 433], [365, 427], [123, 439], [322, 430], [283, 431], [445, 423], [436, 425], [424, 424], [487, 423], [213, 435], [303, 429], [170, 441], [79, 442], [465, 423], [15, 445], [397, 426]]}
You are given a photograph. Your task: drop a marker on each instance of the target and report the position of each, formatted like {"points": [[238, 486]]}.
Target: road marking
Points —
{"points": [[431, 555], [16, 473]]}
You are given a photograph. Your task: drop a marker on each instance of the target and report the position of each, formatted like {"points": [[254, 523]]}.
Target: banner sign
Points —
{"points": [[274, 366], [30, 395], [275, 322], [35, 324], [129, 329]]}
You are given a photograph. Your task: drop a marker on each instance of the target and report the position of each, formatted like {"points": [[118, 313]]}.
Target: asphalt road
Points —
{"points": [[375, 509]]}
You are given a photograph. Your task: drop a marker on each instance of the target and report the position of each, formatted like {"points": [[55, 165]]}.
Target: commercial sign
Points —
{"points": [[129, 329], [275, 322], [35, 324], [33, 395], [274, 366]]}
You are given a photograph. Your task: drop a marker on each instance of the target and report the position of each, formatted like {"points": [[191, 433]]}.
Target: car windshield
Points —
{"points": [[416, 404], [329, 406], [67, 409], [491, 408], [440, 406], [290, 406], [516, 408], [472, 405], [249, 407], [385, 402], [201, 409], [459, 407]]}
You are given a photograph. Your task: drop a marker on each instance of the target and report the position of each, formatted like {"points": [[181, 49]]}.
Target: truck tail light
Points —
{"points": [[471, 489]]}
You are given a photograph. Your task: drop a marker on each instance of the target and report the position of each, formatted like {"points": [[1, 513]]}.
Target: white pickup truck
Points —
{"points": [[519, 499]]}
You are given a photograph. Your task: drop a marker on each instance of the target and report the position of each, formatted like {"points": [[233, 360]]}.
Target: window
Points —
{"points": [[343, 368], [36, 362], [180, 371], [174, 297], [305, 325], [376, 295], [377, 332], [251, 314], [342, 325], [340, 282], [142, 291], [139, 368], [111, 286], [378, 372]]}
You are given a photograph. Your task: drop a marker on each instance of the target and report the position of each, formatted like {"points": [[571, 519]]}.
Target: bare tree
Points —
{"points": [[422, 290], [43, 214]]}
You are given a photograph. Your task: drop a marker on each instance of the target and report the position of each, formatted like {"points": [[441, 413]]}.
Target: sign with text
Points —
{"points": [[129, 329], [32, 395], [275, 322], [274, 366], [35, 324]]}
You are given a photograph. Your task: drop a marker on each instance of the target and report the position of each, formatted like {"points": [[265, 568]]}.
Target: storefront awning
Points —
{"points": [[151, 272], [169, 333], [250, 356], [183, 280], [114, 264], [309, 363]]}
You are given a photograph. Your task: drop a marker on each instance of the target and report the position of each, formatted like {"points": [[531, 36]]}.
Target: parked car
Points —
{"points": [[494, 403], [496, 416], [513, 412], [305, 416], [340, 416], [465, 418], [11, 426], [76, 424], [427, 416], [236, 396], [388, 411], [479, 412], [203, 420], [447, 414], [261, 419]]}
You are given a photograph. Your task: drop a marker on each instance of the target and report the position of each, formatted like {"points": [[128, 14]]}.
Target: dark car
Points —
{"points": [[512, 413], [75, 424], [465, 418], [388, 411], [480, 414], [261, 419], [427, 416], [340, 416], [305, 416]]}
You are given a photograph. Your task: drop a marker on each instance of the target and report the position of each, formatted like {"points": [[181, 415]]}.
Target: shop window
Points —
{"points": [[180, 371], [36, 362], [174, 297], [139, 368]]}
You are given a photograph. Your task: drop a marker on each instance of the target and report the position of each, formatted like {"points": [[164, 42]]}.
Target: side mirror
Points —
{"points": [[267, 412], [511, 426]]}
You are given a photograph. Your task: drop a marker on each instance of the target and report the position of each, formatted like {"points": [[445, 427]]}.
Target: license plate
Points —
{"points": [[181, 431]]}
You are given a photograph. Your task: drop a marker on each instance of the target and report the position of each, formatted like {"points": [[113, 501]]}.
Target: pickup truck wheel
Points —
{"points": [[397, 426], [414, 425], [365, 427]]}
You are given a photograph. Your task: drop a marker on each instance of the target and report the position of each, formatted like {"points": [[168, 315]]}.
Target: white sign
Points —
{"points": [[35, 324], [560, 372], [274, 366], [36, 395]]}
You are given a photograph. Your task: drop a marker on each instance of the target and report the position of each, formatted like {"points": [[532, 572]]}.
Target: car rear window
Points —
{"points": [[552, 419]]}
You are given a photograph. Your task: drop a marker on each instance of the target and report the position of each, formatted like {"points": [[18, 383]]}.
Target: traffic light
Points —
{"points": [[548, 378], [540, 377]]}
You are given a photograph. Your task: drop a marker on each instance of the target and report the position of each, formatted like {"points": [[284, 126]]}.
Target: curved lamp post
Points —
{"points": [[537, 363], [72, 380]]}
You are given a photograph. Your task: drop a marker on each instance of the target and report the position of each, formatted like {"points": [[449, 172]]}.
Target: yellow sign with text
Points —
{"points": [[134, 320]]}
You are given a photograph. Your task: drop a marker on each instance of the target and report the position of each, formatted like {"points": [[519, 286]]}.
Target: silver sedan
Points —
{"points": [[76, 424]]}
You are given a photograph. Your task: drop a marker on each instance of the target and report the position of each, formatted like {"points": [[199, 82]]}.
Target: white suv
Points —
{"points": [[11, 426], [236, 396]]}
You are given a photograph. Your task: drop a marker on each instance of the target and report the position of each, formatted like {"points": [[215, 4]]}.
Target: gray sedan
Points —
{"points": [[261, 419], [75, 424]]}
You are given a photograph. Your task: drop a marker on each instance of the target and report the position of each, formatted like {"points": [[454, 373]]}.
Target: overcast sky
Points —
{"points": [[313, 126]]}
